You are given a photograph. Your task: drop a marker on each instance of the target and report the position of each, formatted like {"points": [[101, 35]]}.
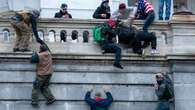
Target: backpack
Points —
{"points": [[97, 34], [34, 58], [169, 87]]}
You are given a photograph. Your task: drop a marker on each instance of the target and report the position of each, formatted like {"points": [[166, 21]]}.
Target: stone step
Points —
{"points": [[81, 77], [79, 105], [87, 67], [76, 92]]}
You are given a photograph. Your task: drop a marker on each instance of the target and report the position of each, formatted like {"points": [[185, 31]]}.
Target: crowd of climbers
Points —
{"points": [[120, 24]]}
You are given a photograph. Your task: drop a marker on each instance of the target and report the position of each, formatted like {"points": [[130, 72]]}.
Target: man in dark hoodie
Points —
{"points": [[63, 13], [103, 11], [99, 103]]}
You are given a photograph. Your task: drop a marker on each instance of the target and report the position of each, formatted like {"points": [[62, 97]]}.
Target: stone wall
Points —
{"points": [[79, 65]]}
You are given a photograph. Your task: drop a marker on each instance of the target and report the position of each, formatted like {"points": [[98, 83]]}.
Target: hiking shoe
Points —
{"points": [[34, 104], [51, 101], [118, 65], [16, 49]]}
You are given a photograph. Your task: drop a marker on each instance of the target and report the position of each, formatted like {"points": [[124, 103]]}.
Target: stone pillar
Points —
{"points": [[184, 84], [183, 40]]}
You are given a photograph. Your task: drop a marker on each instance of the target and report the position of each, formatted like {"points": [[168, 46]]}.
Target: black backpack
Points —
{"points": [[169, 87]]}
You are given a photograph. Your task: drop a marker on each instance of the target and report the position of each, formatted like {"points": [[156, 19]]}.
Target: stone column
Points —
{"points": [[183, 40]]}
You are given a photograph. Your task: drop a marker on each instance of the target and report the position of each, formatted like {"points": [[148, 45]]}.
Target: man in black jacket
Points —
{"points": [[103, 11], [164, 91], [98, 103], [63, 13]]}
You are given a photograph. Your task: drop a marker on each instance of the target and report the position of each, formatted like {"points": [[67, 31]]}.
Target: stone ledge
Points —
{"points": [[133, 57]]}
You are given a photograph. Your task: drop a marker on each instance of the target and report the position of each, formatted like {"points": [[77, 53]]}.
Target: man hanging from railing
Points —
{"points": [[43, 61], [25, 22], [130, 34], [104, 35]]}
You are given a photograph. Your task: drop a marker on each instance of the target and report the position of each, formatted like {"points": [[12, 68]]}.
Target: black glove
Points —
{"points": [[40, 41]]}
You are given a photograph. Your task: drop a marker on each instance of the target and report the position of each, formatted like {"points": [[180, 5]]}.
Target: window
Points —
{"points": [[85, 36], [41, 35], [6, 35], [63, 36], [51, 36]]}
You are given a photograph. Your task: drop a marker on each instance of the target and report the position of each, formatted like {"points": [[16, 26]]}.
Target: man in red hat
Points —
{"points": [[125, 14]]}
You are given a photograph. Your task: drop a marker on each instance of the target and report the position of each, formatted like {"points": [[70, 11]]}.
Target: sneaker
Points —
{"points": [[34, 104], [51, 101], [154, 51], [143, 55], [118, 65]]}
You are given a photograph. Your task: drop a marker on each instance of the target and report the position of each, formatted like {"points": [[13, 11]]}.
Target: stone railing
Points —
{"points": [[50, 29], [176, 36], [83, 64]]}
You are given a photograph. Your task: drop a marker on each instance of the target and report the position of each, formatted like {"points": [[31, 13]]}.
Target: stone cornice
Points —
{"points": [[126, 57]]}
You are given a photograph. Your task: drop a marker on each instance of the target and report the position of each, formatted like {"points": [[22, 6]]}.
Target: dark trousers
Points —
{"points": [[163, 105], [112, 48], [41, 84], [147, 38], [149, 20]]}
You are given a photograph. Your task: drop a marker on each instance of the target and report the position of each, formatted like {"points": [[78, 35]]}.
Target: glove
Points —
{"points": [[40, 41]]}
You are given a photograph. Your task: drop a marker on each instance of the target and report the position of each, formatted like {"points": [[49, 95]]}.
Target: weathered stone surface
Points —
{"points": [[81, 77], [102, 68], [64, 105], [77, 92]]}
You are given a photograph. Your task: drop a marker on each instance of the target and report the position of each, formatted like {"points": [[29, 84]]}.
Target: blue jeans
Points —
{"points": [[163, 105], [148, 21], [112, 48], [168, 8]]}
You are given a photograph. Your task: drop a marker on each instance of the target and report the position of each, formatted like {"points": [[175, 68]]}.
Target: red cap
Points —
{"points": [[122, 6]]}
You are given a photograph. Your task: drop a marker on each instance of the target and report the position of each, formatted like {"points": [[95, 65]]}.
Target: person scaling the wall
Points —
{"points": [[25, 22]]}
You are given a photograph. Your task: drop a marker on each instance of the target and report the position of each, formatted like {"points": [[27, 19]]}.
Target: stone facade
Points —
{"points": [[79, 65]]}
